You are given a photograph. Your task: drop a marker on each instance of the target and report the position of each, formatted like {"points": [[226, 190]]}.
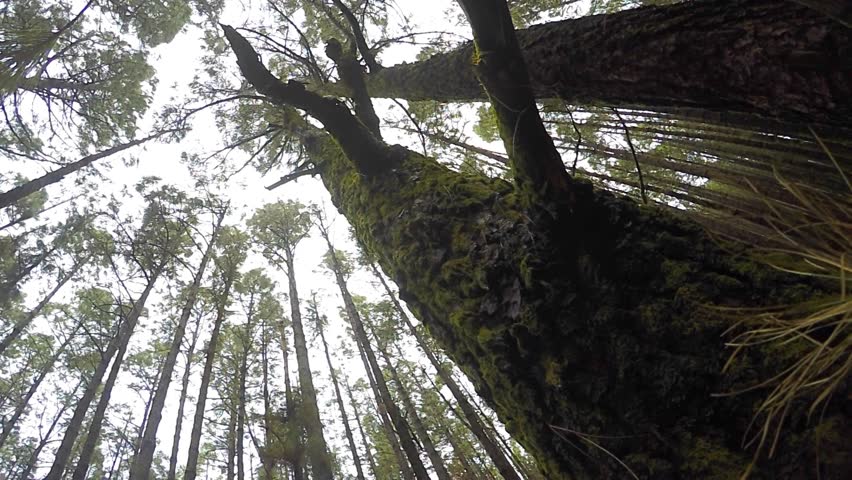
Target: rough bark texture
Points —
{"points": [[473, 421], [756, 56], [595, 326]]}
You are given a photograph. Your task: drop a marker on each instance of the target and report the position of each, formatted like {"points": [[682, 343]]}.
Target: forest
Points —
{"points": [[388, 239]]}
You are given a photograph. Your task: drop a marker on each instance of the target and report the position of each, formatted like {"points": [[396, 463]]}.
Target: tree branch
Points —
{"points": [[500, 67], [364, 150], [293, 176]]}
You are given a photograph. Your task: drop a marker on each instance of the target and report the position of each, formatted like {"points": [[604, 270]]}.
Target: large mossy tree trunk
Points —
{"points": [[582, 318], [766, 57]]}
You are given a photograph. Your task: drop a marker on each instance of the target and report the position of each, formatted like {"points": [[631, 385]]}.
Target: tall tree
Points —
{"points": [[561, 303], [231, 254], [278, 228], [141, 467], [318, 320], [402, 390], [184, 392], [338, 268]]}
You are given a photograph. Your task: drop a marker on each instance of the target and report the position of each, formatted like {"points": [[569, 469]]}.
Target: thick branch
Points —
{"points": [[293, 176], [360, 145], [500, 66]]}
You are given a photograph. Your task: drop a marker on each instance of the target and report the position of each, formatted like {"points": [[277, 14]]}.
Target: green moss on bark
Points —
{"points": [[587, 334]]}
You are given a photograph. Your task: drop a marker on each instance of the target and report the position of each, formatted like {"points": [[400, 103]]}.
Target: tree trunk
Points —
{"points": [[399, 422], [766, 57], [288, 391], [348, 431], [22, 324], [619, 296], [19, 192], [267, 401], [191, 470], [31, 463], [141, 466], [9, 423], [94, 434], [583, 321], [241, 392], [387, 424], [370, 460], [232, 444], [184, 390], [419, 428], [504, 466], [63, 453], [317, 451]]}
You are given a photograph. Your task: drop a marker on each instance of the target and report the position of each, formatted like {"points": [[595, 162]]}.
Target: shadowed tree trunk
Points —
{"points": [[766, 57], [580, 317], [408, 403], [22, 324], [399, 423], [317, 450], [370, 460], [10, 422]]}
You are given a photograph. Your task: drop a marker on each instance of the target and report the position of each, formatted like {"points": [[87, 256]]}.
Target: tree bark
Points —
{"points": [[191, 470], [141, 466], [63, 453], [317, 450], [348, 431], [184, 391], [751, 56], [504, 466], [370, 460], [590, 336]]}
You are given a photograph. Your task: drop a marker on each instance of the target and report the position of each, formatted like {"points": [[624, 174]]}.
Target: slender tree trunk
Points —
{"points": [[459, 453], [384, 416], [184, 390], [765, 57], [31, 463], [288, 391], [370, 460], [63, 453], [85, 457], [399, 422], [232, 443], [119, 452], [419, 428], [348, 431], [504, 466], [23, 323], [191, 470], [19, 192], [267, 402], [317, 450], [241, 392], [21, 406], [141, 466]]}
